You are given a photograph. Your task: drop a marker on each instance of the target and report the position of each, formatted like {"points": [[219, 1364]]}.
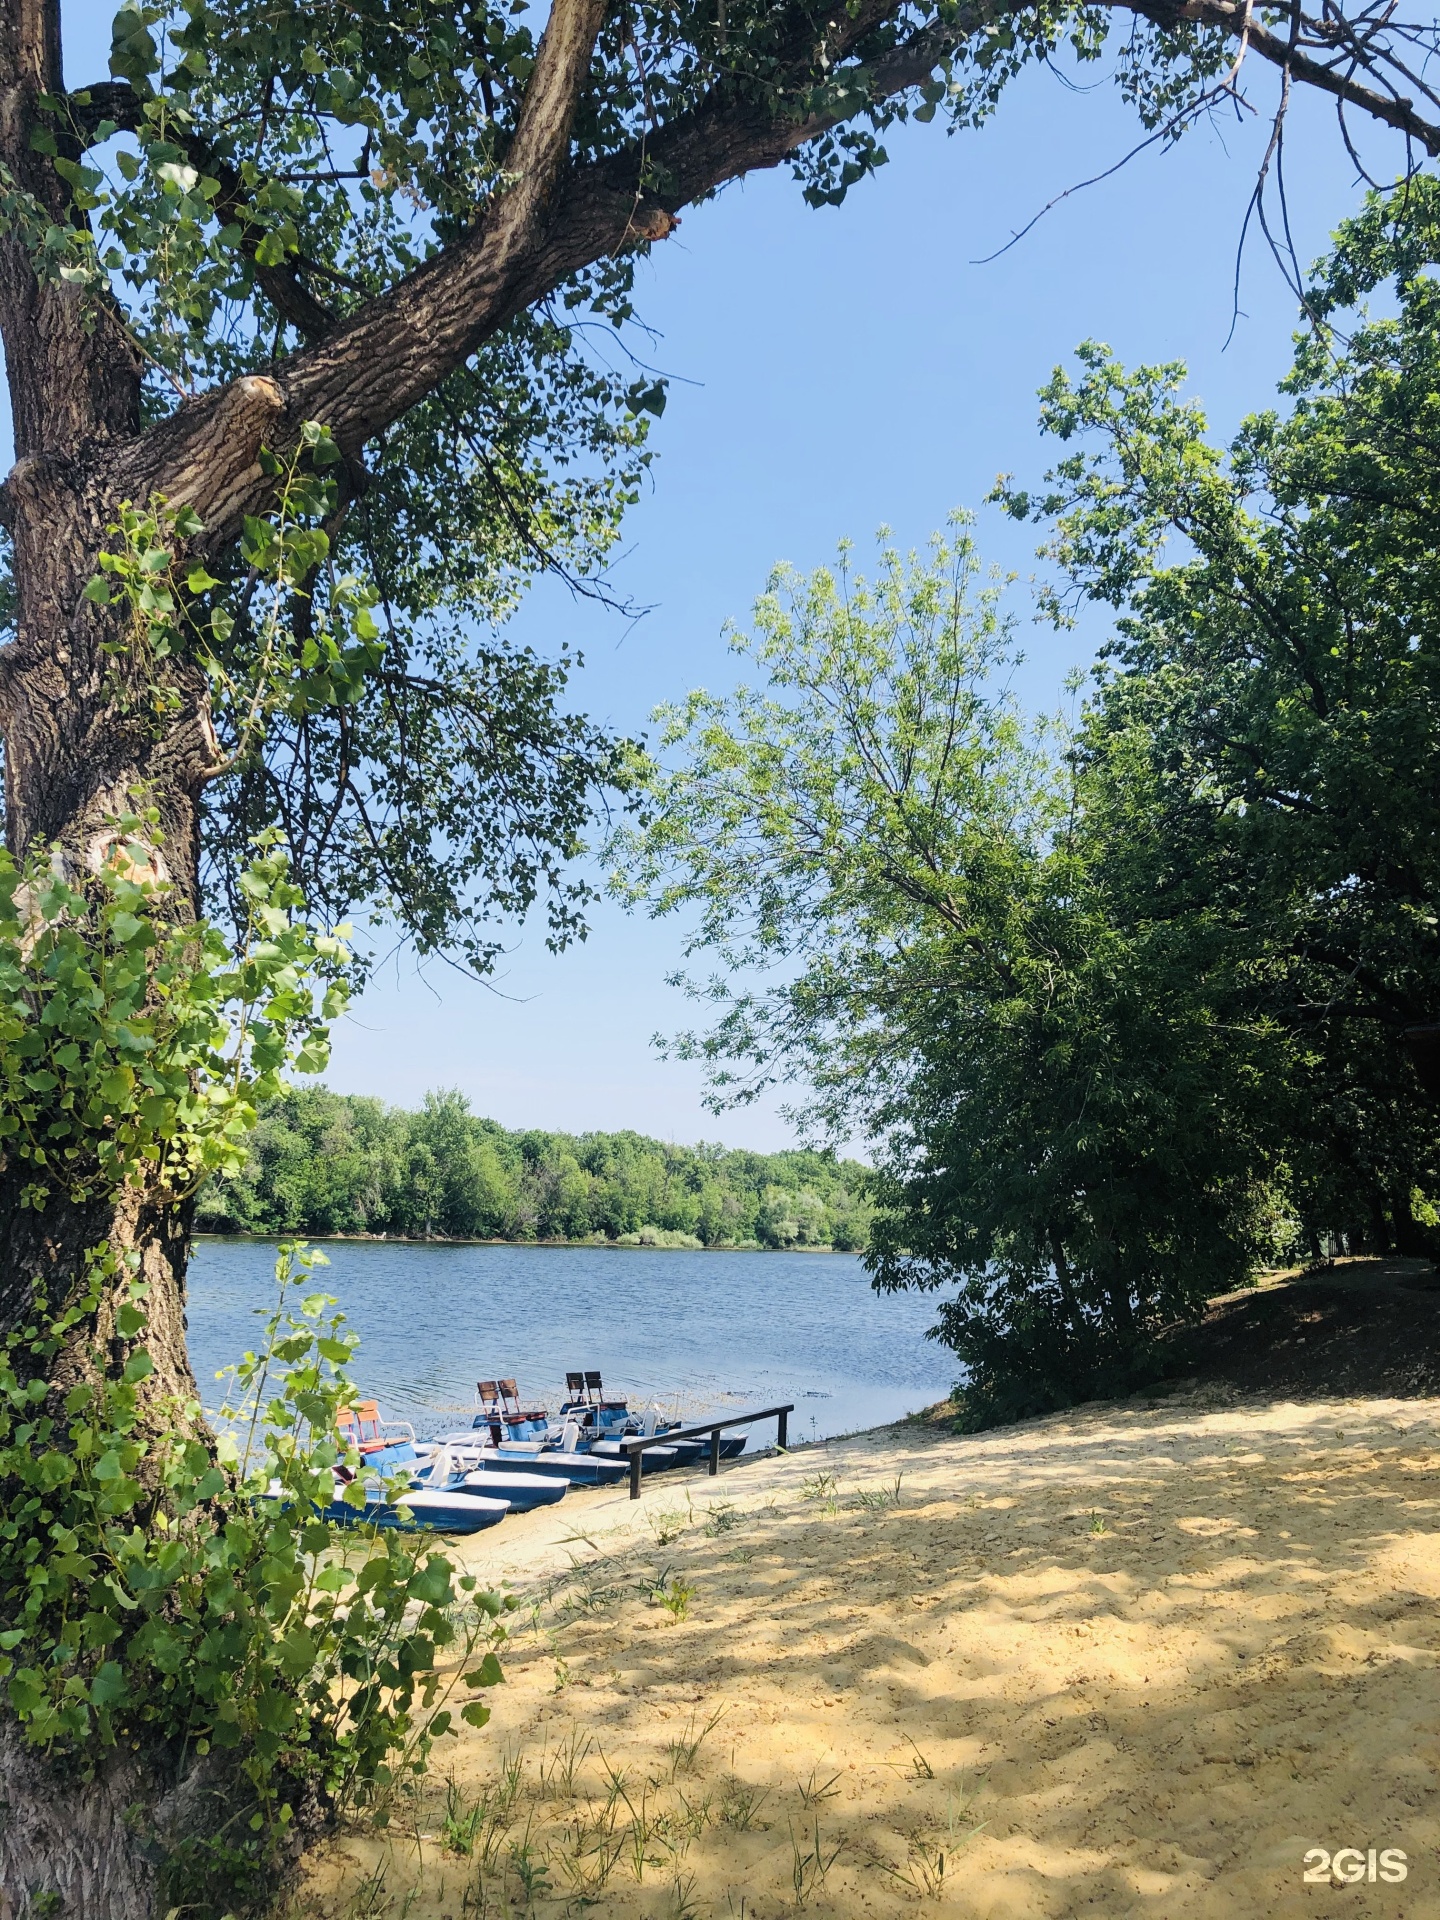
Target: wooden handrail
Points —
{"points": [[635, 1444]]}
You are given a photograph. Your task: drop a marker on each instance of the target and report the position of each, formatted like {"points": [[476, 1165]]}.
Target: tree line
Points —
{"points": [[331, 1163]]}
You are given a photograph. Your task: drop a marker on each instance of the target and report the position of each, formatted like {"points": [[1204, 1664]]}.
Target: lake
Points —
{"points": [[697, 1332]]}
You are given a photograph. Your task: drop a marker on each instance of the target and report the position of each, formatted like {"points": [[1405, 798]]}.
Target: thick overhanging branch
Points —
{"points": [[545, 224]]}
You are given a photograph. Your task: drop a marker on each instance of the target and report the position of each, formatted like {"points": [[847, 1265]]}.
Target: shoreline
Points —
{"points": [[1138, 1657], [442, 1240]]}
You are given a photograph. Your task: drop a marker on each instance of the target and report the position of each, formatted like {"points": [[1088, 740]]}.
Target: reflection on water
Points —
{"points": [[696, 1331]]}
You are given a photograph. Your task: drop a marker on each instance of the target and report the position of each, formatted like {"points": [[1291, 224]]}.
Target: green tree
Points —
{"points": [[321, 1162], [1133, 1008], [1274, 698], [1059, 1109]]}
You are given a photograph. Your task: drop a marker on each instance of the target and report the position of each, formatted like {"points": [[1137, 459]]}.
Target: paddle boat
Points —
{"points": [[585, 1444], [454, 1467], [415, 1509], [501, 1411], [605, 1422]]}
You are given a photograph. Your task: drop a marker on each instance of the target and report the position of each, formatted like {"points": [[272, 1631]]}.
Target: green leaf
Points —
{"points": [[109, 1686], [487, 1674]]}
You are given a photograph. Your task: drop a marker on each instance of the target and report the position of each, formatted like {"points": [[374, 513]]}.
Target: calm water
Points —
{"points": [[695, 1331]]}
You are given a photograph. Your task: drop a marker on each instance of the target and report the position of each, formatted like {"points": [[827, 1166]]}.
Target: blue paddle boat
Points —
{"points": [[417, 1509], [454, 1467]]}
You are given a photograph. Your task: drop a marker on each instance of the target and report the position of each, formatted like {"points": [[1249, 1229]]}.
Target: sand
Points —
{"points": [[1131, 1660]]}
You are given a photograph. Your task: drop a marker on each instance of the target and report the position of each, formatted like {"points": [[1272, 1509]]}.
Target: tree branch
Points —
{"points": [[1392, 110], [544, 224]]}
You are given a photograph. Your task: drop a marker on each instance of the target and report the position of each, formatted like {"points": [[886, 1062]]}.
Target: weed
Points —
{"points": [[724, 1518], [919, 1765], [462, 1823], [528, 1867], [682, 1899], [1097, 1522], [695, 1815], [592, 1852], [814, 1792], [369, 1899], [877, 1498], [668, 1525], [589, 1589], [820, 1486], [740, 1803], [673, 1594], [512, 1779], [810, 1866], [557, 1781], [685, 1751], [742, 1555], [924, 1872], [639, 1835], [616, 1778]]}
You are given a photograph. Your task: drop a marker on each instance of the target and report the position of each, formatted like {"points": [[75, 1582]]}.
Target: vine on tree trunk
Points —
{"points": [[206, 1609], [197, 1603]]}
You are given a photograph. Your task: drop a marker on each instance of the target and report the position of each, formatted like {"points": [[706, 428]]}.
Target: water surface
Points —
{"points": [[697, 1332]]}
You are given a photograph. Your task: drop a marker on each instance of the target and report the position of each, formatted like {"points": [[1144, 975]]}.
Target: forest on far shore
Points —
{"points": [[323, 1162]]}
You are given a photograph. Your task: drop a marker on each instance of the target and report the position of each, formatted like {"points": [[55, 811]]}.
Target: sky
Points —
{"points": [[832, 371]]}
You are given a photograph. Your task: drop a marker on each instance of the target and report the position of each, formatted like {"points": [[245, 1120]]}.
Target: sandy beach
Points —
{"points": [[1129, 1660]]}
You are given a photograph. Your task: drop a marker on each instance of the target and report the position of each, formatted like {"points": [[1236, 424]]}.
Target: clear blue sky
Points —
{"points": [[831, 371]]}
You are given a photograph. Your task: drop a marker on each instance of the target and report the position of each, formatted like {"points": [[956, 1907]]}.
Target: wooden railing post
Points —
{"points": [[782, 1429], [637, 1454], [715, 1450]]}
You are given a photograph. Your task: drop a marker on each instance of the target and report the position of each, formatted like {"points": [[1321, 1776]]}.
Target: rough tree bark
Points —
{"points": [[73, 756]]}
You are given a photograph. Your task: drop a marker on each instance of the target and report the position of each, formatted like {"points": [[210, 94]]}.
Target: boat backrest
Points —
{"points": [[593, 1385], [361, 1422], [488, 1392], [569, 1437], [509, 1395], [574, 1383], [649, 1421]]}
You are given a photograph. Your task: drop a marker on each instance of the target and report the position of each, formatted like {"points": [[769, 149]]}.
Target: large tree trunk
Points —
{"points": [[73, 759]]}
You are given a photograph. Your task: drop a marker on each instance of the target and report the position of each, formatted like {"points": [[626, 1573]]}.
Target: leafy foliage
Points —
{"points": [[1274, 702], [151, 1592], [322, 1162], [1056, 1107], [1126, 1007], [249, 176], [130, 1043], [877, 789]]}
